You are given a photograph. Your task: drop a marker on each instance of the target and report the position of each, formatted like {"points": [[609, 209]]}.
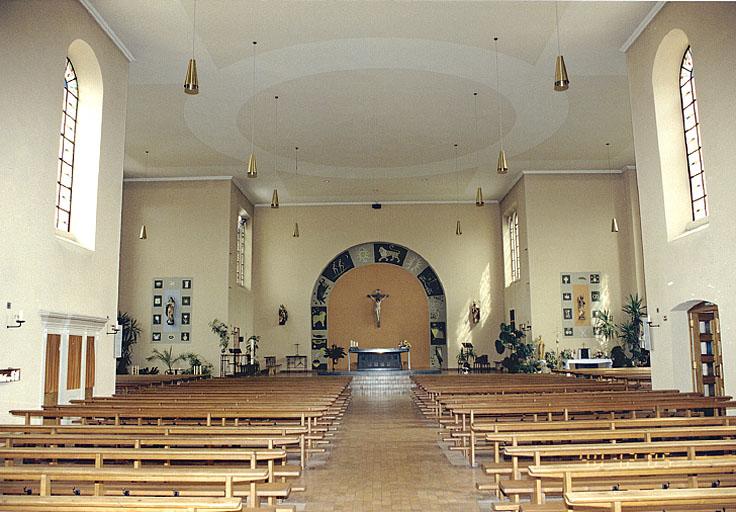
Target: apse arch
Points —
{"points": [[388, 253]]}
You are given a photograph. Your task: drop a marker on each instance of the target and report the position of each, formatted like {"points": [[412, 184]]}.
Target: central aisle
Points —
{"points": [[386, 458]]}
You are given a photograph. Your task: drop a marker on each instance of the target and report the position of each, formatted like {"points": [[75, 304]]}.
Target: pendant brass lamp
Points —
{"points": [[275, 196], [502, 166], [143, 234], [252, 168], [562, 81], [614, 222], [479, 191], [295, 233], [191, 82]]}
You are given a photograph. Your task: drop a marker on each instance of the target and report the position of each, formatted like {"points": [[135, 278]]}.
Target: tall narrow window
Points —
{"points": [[512, 222], [68, 132], [691, 126], [240, 251]]}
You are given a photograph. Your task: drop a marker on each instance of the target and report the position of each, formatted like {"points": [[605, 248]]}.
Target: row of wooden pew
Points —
{"points": [[216, 444], [555, 443]]}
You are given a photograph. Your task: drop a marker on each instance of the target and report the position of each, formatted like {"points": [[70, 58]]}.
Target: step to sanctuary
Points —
{"points": [[381, 383]]}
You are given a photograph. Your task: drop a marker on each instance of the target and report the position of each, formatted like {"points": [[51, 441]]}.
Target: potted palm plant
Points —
{"points": [[166, 357], [131, 331], [334, 353]]}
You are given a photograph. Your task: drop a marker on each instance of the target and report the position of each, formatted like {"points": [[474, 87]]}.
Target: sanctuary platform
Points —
{"points": [[376, 384]]}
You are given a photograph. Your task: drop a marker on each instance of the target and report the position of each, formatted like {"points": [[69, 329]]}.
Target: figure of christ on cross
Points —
{"points": [[377, 297]]}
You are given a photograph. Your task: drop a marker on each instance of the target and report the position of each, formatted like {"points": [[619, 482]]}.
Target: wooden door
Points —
{"points": [[89, 368], [51, 374], [707, 360]]}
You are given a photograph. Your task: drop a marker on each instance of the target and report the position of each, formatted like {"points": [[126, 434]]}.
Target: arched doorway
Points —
{"points": [[387, 253]]}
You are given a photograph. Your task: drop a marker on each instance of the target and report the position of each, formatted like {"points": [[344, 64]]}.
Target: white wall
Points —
{"points": [[286, 268], [39, 270], [698, 265]]}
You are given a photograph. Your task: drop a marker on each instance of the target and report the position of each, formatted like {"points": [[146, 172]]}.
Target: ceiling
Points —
{"points": [[373, 93]]}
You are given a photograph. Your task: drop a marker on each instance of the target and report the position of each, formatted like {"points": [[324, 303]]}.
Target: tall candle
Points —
{"points": [[20, 317], [252, 351]]}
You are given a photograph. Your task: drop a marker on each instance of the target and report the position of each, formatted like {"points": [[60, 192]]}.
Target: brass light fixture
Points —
{"points": [[252, 168], [191, 82], [458, 228], [295, 233], [502, 166], [275, 196], [562, 81], [614, 222], [143, 234], [479, 191]]}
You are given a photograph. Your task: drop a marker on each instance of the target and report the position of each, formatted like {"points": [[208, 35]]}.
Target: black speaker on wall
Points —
{"points": [[376, 206]]}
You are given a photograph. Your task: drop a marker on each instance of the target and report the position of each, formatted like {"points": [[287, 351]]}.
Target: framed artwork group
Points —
{"points": [[580, 294], [171, 316]]}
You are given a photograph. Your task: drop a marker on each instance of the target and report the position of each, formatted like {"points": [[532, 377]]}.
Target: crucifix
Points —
{"points": [[377, 297]]}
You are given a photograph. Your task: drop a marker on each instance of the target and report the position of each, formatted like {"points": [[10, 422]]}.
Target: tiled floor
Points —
{"points": [[386, 457]]}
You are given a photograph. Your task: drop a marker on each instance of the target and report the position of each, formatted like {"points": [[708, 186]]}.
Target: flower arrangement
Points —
{"points": [[405, 344], [223, 332]]}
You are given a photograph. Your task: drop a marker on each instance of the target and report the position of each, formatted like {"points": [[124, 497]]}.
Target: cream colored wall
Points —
{"points": [[699, 265], [286, 268], [517, 294], [190, 226], [568, 220], [39, 270]]}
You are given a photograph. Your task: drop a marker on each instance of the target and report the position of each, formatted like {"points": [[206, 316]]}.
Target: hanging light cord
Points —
{"points": [[557, 24], [498, 93], [475, 114], [253, 104], [276, 138], [296, 161], [457, 184], [194, 26]]}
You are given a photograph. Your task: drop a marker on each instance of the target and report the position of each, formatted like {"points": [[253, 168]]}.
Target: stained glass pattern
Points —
{"points": [[693, 147], [67, 140]]}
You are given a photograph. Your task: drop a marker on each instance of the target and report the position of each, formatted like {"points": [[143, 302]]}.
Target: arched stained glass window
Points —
{"points": [[691, 126], [68, 131]]}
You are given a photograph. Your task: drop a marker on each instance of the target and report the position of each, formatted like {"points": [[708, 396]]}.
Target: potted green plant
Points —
{"points": [[223, 332], [130, 333], [196, 360], [522, 356], [630, 332], [166, 357], [334, 353]]}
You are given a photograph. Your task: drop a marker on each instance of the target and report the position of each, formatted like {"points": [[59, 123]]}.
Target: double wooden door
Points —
{"points": [[707, 359]]}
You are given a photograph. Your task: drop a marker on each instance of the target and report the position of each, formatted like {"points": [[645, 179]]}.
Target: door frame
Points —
{"points": [[705, 308]]}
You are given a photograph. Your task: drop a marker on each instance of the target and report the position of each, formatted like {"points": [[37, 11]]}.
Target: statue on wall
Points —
{"points": [[474, 313], [170, 307], [283, 315], [377, 297]]}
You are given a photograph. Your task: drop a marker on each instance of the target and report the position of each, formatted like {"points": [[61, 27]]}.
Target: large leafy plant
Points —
{"points": [[522, 355], [166, 357], [130, 333], [630, 332], [223, 332], [334, 353]]}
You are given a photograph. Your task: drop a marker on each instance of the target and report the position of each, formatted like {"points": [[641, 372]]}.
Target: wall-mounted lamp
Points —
{"points": [[114, 329], [18, 318]]}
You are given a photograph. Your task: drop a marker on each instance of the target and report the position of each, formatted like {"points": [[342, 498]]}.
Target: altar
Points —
{"points": [[379, 358]]}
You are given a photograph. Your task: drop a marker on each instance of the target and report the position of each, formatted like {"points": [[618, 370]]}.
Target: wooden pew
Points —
{"points": [[585, 476], [618, 501], [113, 504]]}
